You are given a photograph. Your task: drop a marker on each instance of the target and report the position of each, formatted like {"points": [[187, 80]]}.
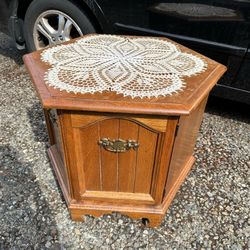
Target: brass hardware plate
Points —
{"points": [[118, 145]]}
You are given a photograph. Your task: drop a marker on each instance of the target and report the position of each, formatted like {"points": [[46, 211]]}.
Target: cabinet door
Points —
{"points": [[116, 158]]}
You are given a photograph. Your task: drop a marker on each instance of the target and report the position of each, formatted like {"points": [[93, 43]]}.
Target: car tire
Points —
{"points": [[45, 16]]}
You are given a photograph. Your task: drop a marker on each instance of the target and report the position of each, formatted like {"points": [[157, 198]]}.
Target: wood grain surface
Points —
{"points": [[183, 102], [140, 182]]}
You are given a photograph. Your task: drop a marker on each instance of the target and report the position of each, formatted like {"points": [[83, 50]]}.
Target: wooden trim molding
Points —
{"points": [[114, 197]]}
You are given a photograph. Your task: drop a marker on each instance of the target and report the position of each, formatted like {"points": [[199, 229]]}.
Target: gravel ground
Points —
{"points": [[211, 210]]}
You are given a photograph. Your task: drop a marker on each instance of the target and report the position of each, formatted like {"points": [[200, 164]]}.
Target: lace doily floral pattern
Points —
{"points": [[131, 66]]}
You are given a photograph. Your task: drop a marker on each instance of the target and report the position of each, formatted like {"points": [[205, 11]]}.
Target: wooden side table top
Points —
{"points": [[182, 102]]}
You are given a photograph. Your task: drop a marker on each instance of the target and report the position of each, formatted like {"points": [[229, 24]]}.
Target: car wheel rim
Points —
{"points": [[54, 27]]}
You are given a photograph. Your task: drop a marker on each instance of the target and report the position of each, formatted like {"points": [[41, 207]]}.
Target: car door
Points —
{"points": [[218, 29]]}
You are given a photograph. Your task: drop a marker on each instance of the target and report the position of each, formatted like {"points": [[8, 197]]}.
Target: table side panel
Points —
{"points": [[70, 154], [184, 144], [54, 130]]}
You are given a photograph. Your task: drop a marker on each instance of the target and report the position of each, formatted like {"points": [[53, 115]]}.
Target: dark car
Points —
{"points": [[220, 29]]}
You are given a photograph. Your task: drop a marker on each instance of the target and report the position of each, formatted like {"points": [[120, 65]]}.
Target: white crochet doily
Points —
{"points": [[135, 67]]}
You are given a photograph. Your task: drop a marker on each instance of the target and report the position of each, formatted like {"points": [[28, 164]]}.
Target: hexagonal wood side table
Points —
{"points": [[122, 152]]}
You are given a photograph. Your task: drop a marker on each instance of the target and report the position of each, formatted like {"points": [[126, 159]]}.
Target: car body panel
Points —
{"points": [[218, 29], [6, 10]]}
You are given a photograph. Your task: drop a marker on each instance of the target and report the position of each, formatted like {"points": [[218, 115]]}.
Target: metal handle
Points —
{"points": [[118, 145]]}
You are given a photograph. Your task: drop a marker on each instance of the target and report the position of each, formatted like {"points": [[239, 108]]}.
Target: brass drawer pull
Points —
{"points": [[119, 145]]}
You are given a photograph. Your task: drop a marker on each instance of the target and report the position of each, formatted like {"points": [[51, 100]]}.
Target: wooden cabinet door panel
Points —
{"points": [[109, 161], [127, 161], [105, 175], [145, 160], [88, 157]]}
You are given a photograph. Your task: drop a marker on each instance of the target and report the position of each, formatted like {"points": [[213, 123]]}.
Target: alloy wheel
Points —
{"points": [[54, 27]]}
